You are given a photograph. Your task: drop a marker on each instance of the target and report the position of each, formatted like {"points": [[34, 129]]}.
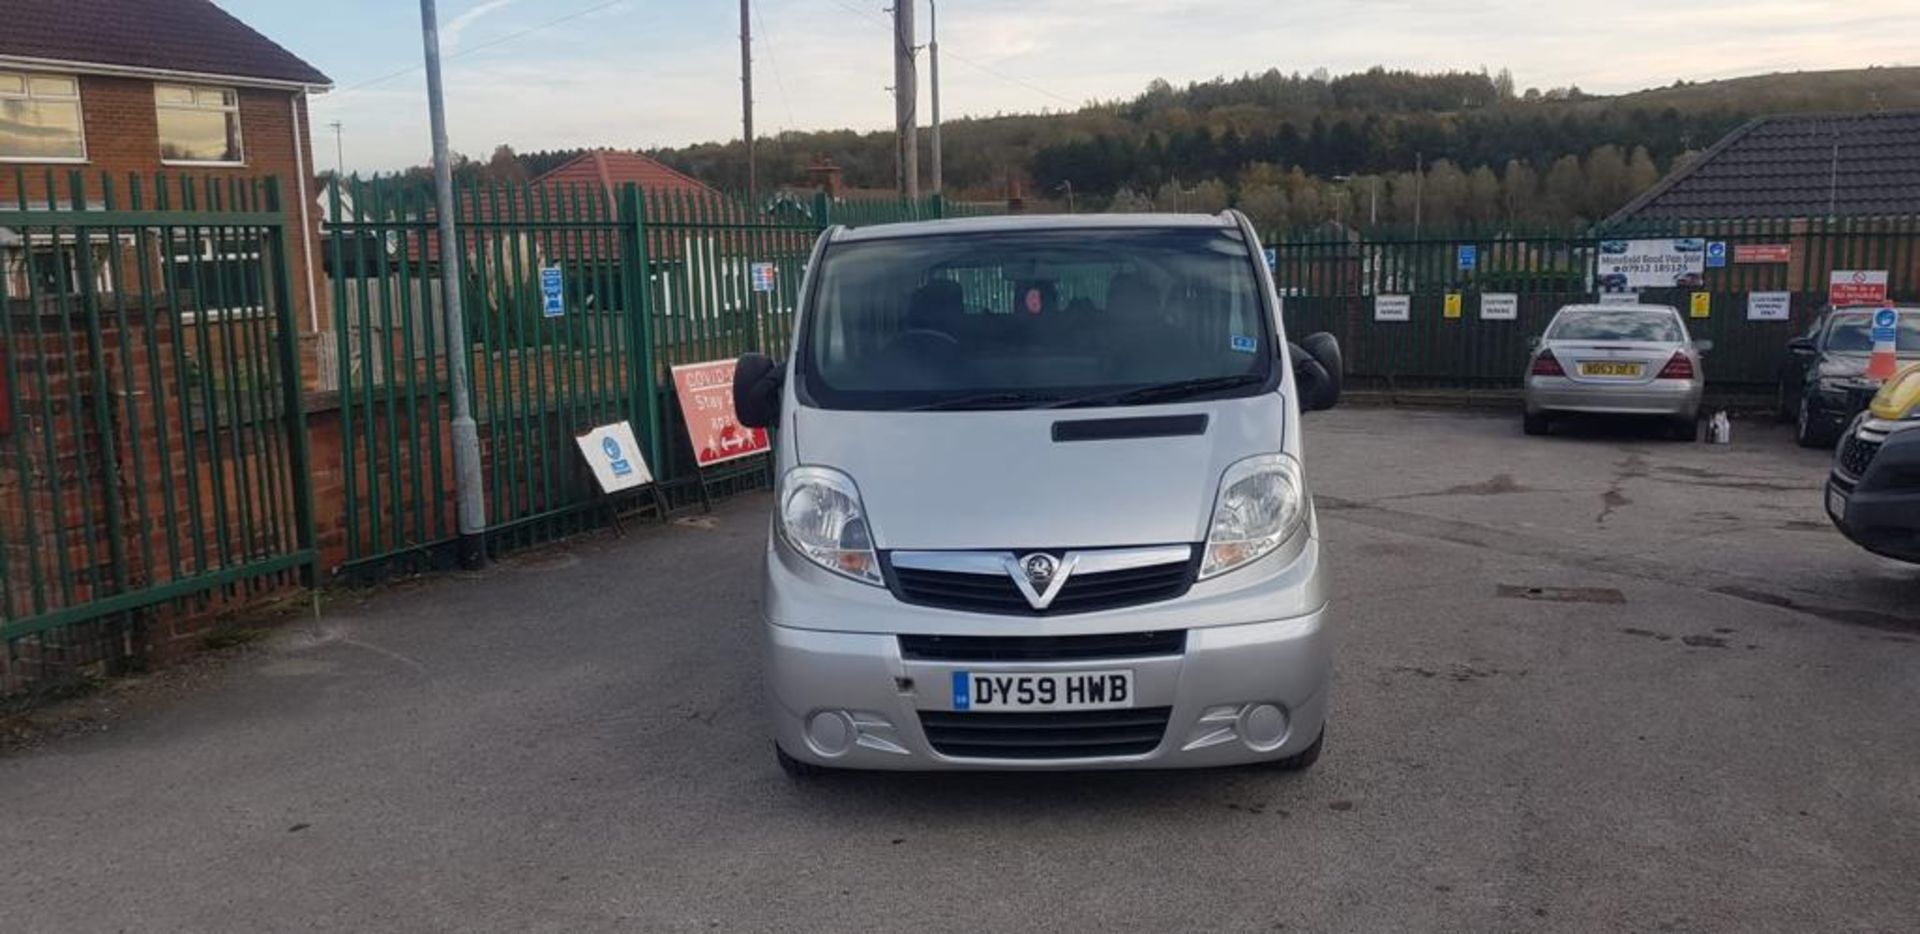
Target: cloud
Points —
{"points": [[450, 33], [822, 64]]}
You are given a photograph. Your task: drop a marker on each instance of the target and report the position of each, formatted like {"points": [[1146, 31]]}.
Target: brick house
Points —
{"points": [[117, 88]]}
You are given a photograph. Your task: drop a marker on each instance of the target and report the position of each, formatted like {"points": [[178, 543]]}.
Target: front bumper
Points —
{"points": [[872, 697], [1674, 398], [1875, 501]]}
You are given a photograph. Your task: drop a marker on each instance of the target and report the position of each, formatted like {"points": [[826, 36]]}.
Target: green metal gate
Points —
{"points": [[647, 280], [153, 463]]}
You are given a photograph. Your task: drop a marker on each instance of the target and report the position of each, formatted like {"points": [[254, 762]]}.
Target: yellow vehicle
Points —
{"points": [[1873, 493]]}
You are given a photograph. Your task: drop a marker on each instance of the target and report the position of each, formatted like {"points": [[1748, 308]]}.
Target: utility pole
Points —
{"points": [[906, 95], [1373, 203], [339, 152], [933, 72], [746, 92], [465, 435], [1419, 190]]}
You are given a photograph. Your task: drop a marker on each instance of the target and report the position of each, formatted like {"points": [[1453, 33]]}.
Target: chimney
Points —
{"points": [[823, 175]]}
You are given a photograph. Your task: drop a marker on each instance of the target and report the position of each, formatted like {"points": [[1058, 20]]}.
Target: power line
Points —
{"points": [[502, 40], [987, 69], [773, 62]]}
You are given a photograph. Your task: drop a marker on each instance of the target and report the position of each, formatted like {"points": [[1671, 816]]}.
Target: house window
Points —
{"points": [[197, 124], [223, 275], [40, 118]]}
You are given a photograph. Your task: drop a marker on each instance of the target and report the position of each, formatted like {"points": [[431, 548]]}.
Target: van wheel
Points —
{"points": [[1305, 758], [795, 769], [1535, 423]]}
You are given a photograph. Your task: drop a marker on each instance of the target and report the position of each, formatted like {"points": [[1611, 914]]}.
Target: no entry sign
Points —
{"points": [[706, 401]]}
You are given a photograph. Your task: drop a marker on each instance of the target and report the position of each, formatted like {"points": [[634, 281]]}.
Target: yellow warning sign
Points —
{"points": [[1702, 304], [1453, 305]]}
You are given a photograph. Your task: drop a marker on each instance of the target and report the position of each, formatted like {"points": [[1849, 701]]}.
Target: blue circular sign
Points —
{"points": [[1885, 318], [611, 448]]}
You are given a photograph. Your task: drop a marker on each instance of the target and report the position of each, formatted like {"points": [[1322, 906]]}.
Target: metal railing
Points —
{"points": [[579, 299], [153, 463], [1329, 279]]}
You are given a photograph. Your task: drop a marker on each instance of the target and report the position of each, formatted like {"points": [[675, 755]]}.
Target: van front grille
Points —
{"points": [[1856, 453], [1084, 592], [1078, 735], [1042, 648]]}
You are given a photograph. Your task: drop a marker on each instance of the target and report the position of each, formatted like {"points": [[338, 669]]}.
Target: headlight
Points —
{"points": [[1262, 502], [822, 519]]}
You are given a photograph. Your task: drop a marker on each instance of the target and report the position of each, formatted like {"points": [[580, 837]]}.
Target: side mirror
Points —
{"points": [[757, 382], [1317, 371], [1533, 342], [1802, 346], [1702, 346]]}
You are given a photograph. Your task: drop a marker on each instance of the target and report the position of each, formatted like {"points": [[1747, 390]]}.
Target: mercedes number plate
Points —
{"points": [[1041, 691]]}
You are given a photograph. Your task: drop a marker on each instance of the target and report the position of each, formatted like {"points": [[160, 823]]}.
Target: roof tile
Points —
{"points": [[1788, 166], [175, 35]]}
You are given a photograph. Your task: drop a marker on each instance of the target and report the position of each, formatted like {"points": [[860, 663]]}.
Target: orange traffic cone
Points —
{"points": [[1886, 324]]}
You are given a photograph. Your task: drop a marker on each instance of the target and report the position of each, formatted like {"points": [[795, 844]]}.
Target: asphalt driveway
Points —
{"points": [[1595, 681]]}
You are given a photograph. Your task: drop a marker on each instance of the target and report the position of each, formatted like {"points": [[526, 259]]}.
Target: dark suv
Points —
{"points": [[1823, 383]]}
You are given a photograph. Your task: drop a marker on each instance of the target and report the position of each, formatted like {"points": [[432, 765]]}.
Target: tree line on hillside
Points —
{"points": [[1298, 149]]}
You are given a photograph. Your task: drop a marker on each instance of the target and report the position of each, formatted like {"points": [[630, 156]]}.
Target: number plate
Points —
{"points": [[1038, 691], [1836, 504], [1604, 368]]}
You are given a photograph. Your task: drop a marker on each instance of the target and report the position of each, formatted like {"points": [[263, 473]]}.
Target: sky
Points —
{"points": [[552, 74]]}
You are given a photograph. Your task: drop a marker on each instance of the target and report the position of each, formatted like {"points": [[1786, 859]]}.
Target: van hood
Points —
{"points": [[999, 480]]}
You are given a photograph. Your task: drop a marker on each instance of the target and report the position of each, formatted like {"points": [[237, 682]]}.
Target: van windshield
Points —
{"points": [[1030, 319]]}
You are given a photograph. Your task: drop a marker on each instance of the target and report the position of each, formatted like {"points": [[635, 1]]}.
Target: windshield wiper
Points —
{"points": [[1163, 392], [988, 400]]}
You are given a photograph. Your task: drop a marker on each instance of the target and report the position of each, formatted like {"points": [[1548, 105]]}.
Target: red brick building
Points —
{"points": [[141, 87]]}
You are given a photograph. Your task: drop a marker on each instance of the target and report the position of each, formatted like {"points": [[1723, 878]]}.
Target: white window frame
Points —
{"points": [[239, 131], [79, 104], [203, 250]]}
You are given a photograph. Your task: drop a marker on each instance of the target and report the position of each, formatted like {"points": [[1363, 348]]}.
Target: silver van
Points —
{"points": [[1041, 502]]}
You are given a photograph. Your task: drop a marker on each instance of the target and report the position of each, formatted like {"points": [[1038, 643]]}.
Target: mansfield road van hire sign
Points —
{"points": [[1626, 265]]}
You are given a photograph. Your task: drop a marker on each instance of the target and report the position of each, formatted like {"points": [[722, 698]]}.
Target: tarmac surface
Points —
{"points": [[1595, 681]]}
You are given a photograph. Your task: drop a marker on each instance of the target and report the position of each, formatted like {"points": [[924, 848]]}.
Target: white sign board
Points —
{"points": [[1625, 265], [1620, 298], [615, 457], [1499, 306], [1769, 306], [1392, 308]]}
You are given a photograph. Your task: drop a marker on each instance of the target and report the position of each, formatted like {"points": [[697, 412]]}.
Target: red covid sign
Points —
{"points": [[706, 401]]}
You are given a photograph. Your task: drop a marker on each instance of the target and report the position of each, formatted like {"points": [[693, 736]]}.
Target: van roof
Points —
{"points": [[1030, 222]]}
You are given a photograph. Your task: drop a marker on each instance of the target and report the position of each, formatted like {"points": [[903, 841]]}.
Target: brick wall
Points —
{"points": [[123, 138]]}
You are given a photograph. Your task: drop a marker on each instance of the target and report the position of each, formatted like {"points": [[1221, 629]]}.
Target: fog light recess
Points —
{"points": [[1263, 727], [830, 732]]}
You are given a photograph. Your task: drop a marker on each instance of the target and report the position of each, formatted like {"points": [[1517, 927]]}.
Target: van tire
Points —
{"points": [[795, 769], [1305, 758], [1535, 423]]}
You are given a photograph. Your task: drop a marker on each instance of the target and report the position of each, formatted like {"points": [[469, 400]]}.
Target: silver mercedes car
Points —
{"points": [[1617, 360], [1040, 501]]}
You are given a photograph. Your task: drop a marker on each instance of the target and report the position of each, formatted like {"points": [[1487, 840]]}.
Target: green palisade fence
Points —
{"points": [[650, 280], [153, 463], [1328, 278]]}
